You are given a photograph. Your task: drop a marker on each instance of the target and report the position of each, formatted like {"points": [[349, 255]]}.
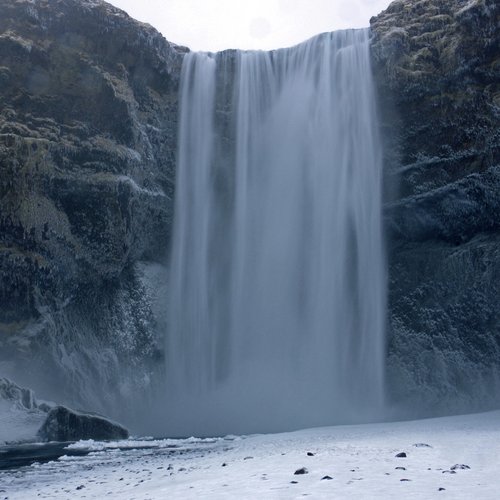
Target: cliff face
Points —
{"points": [[437, 63], [88, 120]]}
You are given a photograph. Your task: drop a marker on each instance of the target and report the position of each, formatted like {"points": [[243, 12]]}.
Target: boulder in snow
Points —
{"points": [[63, 424]]}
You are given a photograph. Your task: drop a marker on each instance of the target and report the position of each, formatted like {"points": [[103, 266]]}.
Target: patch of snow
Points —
{"points": [[134, 443], [137, 188], [470, 5], [21, 415], [19, 424]]}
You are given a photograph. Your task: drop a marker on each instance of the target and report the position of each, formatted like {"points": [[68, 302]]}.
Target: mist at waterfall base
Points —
{"points": [[277, 274]]}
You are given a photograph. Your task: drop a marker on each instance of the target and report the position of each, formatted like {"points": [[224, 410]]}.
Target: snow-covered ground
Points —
{"points": [[18, 424], [453, 457], [21, 415]]}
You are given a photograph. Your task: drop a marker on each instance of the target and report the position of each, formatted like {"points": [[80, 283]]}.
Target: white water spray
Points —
{"points": [[277, 273]]}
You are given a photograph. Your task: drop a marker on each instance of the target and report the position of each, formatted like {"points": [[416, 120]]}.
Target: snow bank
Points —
{"points": [[20, 414]]}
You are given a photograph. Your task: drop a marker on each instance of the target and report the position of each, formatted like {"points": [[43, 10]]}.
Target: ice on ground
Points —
{"points": [[453, 457], [18, 424], [134, 443], [21, 415]]}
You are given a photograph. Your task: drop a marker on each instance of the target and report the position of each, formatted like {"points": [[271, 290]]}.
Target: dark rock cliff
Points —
{"points": [[437, 64], [88, 121]]}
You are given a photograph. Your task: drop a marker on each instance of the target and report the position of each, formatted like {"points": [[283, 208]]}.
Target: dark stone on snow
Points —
{"points": [[300, 471], [401, 455], [326, 478], [422, 445], [310, 454], [449, 472], [405, 479], [63, 424], [400, 468], [441, 489], [460, 466]]}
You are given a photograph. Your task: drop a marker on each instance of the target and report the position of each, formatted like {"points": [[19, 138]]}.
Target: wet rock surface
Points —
{"points": [[437, 64], [88, 121]]}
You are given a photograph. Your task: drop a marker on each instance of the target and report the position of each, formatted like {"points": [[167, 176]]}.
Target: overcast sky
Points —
{"points": [[213, 25]]}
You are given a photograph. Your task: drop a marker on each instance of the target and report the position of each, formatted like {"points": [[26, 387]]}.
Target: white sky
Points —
{"points": [[212, 25]]}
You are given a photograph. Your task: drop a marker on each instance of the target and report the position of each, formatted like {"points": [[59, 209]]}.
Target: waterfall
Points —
{"points": [[277, 275]]}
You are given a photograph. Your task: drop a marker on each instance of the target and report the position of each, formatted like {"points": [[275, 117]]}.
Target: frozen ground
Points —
{"points": [[459, 454], [17, 423]]}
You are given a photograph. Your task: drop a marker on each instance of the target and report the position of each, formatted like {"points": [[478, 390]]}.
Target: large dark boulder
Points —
{"points": [[24, 419], [437, 67], [63, 424]]}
